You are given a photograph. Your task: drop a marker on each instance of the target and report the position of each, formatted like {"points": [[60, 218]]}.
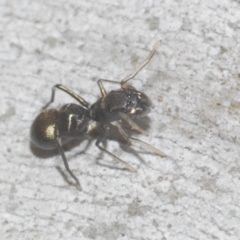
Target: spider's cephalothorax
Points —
{"points": [[128, 101]]}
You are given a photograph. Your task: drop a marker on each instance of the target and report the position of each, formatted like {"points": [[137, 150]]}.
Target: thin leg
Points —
{"points": [[100, 139], [145, 62], [68, 91], [141, 143], [132, 75], [132, 124], [59, 146], [102, 89]]}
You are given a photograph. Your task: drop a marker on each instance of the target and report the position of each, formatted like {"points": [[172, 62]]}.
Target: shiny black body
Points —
{"points": [[52, 128], [67, 123], [128, 101]]}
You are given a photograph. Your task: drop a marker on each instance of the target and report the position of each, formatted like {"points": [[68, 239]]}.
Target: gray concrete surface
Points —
{"points": [[193, 81]]}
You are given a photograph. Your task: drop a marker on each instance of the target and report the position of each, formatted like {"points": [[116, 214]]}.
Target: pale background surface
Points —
{"points": [[192, 194]]}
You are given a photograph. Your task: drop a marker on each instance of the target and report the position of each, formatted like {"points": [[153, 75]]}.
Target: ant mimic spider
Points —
{"points": [[52, 128]]}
